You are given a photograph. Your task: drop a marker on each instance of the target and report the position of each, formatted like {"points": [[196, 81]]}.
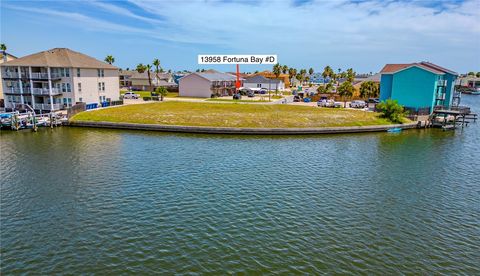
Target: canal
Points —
{"points": [[96, 201]]}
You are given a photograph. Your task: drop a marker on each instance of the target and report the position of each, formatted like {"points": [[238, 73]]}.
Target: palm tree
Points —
{"points": [[148, 67], [109, 59], [291, 73], [303, 72], [350, 74], [327, 72], [277, 70], [345, 90], [369, 89], [140, 68], [156, 63], [3, 47], [310, 71], [284, 69]]}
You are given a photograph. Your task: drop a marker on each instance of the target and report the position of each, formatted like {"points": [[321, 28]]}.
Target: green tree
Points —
{"points": [[162, 91], [369, 89], [109, 59], [471, 73], [3, 47], [303, 73], [327, 72], [345, 90], [478, 75], [350, 75], [310, 71], [391, 110], [292, 72], [148, 67], [277, 70], [140, 68], [156, 63], [284, 69]]}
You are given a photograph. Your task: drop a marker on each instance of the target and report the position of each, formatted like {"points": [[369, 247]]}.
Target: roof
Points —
{"points": [[144, 75], [7, 54], [59, 57], [217, 76], [434, 66], [126, 72], [394, 68], [261, 79]]}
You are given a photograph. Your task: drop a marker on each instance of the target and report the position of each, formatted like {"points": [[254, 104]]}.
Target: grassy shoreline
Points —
{"points": [[232, 115]]}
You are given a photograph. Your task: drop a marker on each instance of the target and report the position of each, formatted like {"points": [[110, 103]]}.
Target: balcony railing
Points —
{"points": [[45, 91], [11, 75], [440, 96], [49, 106], [13, 90], [42, 76], [442, 83]]}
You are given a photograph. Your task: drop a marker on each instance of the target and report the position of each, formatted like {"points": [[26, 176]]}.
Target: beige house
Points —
{"points": [[58, 78], [207, 84], [4, 57], [140, 80]]}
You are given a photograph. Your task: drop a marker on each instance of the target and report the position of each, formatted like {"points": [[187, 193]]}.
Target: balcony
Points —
{"points": [[12, 90], [45, 91], [51, 107], [12, 75], [440, 96], [39, 76], [442, 83]]}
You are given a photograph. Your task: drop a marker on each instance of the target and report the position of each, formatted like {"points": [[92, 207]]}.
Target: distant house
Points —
{"points": [[207, 84], [469, 81], [270, 75], [317, 78], [125, 78], [260, 82], [417, 85], [140, 80]]}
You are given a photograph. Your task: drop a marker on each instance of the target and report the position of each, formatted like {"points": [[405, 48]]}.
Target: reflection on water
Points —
{"points": [[109, 201]]}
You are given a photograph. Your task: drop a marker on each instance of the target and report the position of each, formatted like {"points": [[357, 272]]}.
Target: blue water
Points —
{"points": [[90, 201]]}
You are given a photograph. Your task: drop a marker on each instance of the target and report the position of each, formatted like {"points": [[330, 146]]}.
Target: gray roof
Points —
{"points": [[217, 76], [60, 57], [144, 75], [261, 79]]}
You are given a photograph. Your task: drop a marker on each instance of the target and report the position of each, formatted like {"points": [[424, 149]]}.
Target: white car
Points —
{"points": [[130, 95], [357, 104]]}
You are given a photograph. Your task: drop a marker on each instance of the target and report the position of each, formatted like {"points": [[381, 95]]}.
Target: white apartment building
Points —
{"points": [[58, 78]]}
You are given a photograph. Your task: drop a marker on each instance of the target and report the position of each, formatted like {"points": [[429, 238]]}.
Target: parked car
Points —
{"points": [[373, 100], [130, 95], [357, 104], [337, 104], [325, 103], [263, 91], [251, 94], [296, 99], [237, 96]]}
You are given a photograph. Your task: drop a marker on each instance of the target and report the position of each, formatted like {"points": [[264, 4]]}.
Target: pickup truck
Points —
{"points": [[130, 95]]}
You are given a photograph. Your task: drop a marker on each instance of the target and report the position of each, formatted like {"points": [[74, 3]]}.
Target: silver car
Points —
{"points": [[357, 104]]}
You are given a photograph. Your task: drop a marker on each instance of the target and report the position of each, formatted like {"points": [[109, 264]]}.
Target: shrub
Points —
{"points": [[391, 110]]}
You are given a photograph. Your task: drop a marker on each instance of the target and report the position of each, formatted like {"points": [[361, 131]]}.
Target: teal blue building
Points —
{"points": [[418, 86]]}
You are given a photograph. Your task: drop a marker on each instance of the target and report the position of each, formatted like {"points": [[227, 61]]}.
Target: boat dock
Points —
{"points": [[453, 117]]}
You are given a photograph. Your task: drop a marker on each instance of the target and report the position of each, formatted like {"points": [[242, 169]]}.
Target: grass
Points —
{"points": [[235, 101], [232, 115]]}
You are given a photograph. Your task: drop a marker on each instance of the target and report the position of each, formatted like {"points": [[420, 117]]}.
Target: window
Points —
{"points": [[69, 89], [67, 72], [78, 72], [100, 73], [80, 99], [101, 86], [259, 85], [79, 87], [64, 87]]}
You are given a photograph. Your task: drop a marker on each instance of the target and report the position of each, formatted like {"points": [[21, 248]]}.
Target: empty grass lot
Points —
{"points": [[232, 115]]}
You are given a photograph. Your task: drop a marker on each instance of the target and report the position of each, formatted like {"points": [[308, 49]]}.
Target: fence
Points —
{"points": [[79, 107]]}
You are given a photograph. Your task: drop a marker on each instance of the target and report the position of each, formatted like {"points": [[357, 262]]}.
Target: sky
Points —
{"points": [[363, 35]]}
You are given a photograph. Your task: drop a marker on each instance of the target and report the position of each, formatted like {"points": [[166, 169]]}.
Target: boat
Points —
{"points": [[395, 129]]}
